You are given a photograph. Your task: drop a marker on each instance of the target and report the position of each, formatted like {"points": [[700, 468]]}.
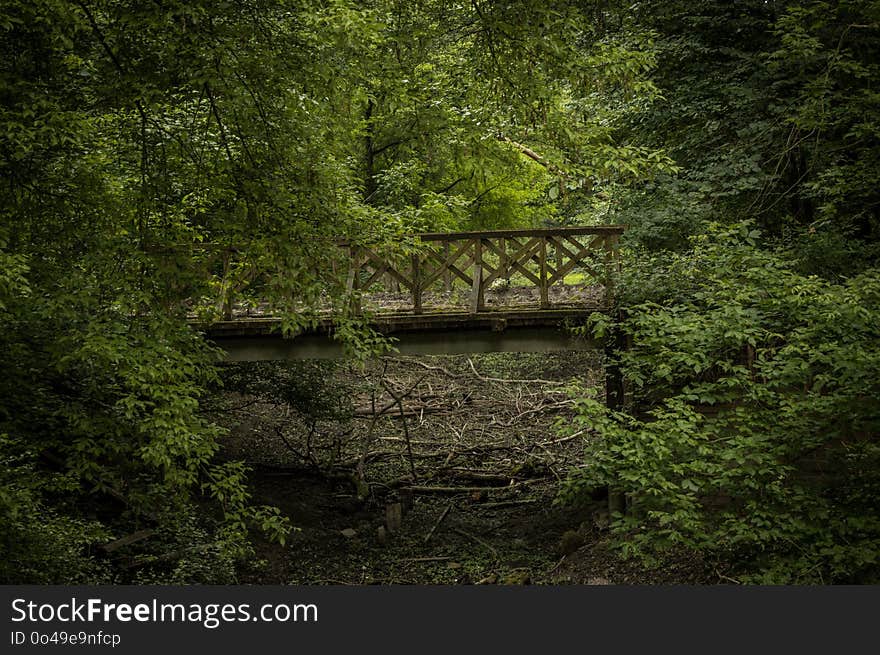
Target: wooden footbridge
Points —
{"points": [[497, 290]]}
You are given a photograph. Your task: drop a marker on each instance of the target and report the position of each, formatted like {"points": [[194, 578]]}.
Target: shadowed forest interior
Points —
{"points": [[691, 186]]}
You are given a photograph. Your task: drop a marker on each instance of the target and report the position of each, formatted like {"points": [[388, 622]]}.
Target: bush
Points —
{"points": [[754, 427]]}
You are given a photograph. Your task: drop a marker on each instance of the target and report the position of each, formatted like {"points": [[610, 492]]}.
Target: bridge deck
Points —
{"points": [[394, 323]]}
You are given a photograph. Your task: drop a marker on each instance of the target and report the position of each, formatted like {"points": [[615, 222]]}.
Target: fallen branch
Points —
{"points": [[483, 543], [399, 400], [417, 442], [306, 457], [563, 439], [437, 523], [417, 411], [478, 476], [427, 367], [482, 378], [531, 154], [172, 556], [536, 410], [468, 490], [508, 503]]}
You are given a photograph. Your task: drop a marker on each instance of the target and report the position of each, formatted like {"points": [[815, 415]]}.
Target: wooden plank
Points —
{"points": [[437, 273], [501, 234], [376, 261], [575, 259], [560, 273], [447, 276], [468, 280], [416, 285], [516, 262], [133, 538], [378, 272], [502, 247], [477, 286], [545, 300], [615, 250], [594, 244], [475, 289], [352, 283], [612, 261], [482, 268], [393, 517], [403, 321], [447, 264], [349, 282]]}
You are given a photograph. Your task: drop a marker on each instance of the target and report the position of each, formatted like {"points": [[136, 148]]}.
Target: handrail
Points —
{"points": [[539, 232], [543, 257], [496, 234]]}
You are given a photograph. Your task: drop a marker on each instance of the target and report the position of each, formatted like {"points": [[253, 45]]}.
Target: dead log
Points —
{"points": [[465, 490]]}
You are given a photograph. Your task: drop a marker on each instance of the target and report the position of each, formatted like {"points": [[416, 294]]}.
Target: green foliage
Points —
{"points": [[307, 387], [161, 161], [769, 110], [752, 434], [755, 426], [110, 413], [41, 544], [477, 115]]}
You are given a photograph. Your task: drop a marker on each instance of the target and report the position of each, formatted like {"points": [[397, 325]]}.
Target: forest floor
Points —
{"points": [[427, 470]]}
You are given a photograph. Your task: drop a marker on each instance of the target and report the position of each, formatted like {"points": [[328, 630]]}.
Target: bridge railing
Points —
{"points": [[536, 260]]}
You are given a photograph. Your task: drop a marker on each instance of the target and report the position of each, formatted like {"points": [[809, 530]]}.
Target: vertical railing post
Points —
{"points": [[481, 300], [609, 243], [447, 274], [545, 296], [477, 300], [226, 286], [557, 244], [416, 284]]}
